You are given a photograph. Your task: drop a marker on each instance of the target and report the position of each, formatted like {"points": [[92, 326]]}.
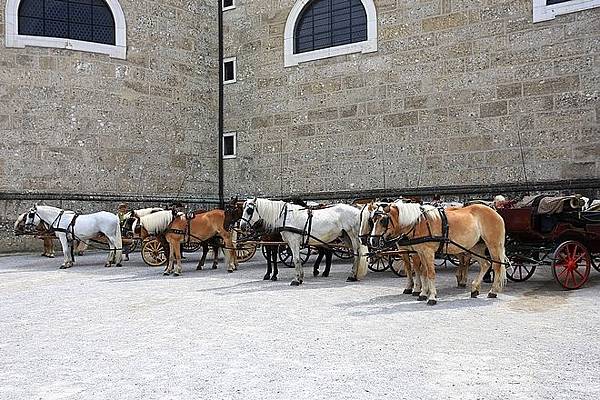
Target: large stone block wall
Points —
{"points": [[459, 93], [76, 123]]}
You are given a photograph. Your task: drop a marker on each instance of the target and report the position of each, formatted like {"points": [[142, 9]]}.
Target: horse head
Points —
{"points": [[382, 223], [250, 215]]}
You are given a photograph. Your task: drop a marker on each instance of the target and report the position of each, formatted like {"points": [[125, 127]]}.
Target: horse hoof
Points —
{"points": [[105, 266], [474, 294], [295, 283], [431, 302], [315, 273], [266, 277], [407, 291], [176, 274], [416, 294], [62, 267], [352, 279], [492, 295], [229, 271], [215, 267], [325, 275], [198, 268], [166, 273], [118, 265], [274, 278], [462, 285], [422, 298]]}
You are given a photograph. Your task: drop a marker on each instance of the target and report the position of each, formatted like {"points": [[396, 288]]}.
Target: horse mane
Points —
{"points": [[156, 222], [270, 212], [410, 213], [142, 212]]}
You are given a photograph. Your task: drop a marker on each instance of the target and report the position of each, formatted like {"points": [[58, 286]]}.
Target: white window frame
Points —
{"points": [[368, 46], [13, 39], [226, 60], [234, 135], [544, 12], [231, 7]]}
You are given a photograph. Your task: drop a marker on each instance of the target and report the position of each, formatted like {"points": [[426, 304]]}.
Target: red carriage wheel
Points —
{"points": [[571, 265]]}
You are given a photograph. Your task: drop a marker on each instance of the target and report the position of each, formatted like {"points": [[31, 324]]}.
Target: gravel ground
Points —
{"points": [[130, 333]]}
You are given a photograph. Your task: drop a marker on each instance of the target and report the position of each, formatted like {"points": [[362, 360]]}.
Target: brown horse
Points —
{"points": [[466, 227], [199, 228]]}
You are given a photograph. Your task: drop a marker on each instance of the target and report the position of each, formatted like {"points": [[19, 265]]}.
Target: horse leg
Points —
{"points": [[274, 254], [229, 251], [215, 263], [463, 270], [409, 273], [203, 259], [66, 248], [267, 276], [318, 261], [497, 253], [417, 281], [294, 244], [328, 256], [428, 265], [359, 266], [177, 251], [170, 258]]}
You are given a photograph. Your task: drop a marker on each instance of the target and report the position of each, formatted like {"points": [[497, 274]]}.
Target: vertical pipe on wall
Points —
{"points": [[220, 112]]}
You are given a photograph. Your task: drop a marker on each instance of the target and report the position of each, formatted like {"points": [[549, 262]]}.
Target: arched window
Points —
{"points": [[318, 29], [87, 25]]}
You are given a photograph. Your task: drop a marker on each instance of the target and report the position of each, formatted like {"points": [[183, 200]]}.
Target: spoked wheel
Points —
{"points": [[397, 267], [379, 263], [596, 262], [344, 253], [285, 255], [245, 251], [571, 265], [153, 253], [519, 270]]}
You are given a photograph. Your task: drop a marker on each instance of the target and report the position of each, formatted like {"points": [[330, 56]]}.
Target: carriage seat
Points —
{"points": [[544, 204]]}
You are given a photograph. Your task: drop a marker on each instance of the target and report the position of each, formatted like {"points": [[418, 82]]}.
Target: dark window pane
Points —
{"points": [[103, 16], [550, 2], [228, 146], [228, 71], [31, 26], [80, 14], [227, 3], [327, 23], [87, 20]]}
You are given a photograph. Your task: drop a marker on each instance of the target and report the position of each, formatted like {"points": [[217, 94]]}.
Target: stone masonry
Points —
{"points": [[75, 123], [459, 93]]}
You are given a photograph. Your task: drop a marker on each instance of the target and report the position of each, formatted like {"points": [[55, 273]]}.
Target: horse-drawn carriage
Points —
{"points": [[554, 232]]}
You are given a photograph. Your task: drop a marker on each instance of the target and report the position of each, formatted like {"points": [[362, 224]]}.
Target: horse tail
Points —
{"points": [[361, 268], [504, 261]]}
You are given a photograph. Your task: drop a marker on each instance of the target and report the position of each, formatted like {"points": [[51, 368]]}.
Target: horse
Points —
{"points": [[300, 227], [40, 231], [69, 227], [466, 227], [199, 227]]}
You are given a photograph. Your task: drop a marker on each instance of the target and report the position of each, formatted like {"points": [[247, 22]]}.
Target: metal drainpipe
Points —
{"points": [[220, 122]]}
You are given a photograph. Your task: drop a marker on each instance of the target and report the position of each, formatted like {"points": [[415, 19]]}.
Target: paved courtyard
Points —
{"points": [[130, 333]]}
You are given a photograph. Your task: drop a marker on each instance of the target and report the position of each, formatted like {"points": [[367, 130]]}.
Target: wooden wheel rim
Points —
{"points": [[571, 265], [153, 253]]}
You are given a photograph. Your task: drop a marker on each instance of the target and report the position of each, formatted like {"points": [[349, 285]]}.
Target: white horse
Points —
{"points": [[69, 226], [301, 227]]}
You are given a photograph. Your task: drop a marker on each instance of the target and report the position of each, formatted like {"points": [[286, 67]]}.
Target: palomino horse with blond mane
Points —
{"points": [[203, 226], [410, 226], [412, 262], [301, 227], [69, 227]]}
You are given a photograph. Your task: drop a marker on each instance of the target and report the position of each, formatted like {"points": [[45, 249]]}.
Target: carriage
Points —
{"points": [[565, 238]]}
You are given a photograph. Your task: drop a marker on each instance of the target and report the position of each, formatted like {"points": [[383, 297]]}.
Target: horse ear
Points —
{"points": [[386, 209]]}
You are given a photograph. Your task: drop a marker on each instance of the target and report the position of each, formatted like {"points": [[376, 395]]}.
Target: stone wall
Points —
{"points": [[77, 123], [460, 93]]}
